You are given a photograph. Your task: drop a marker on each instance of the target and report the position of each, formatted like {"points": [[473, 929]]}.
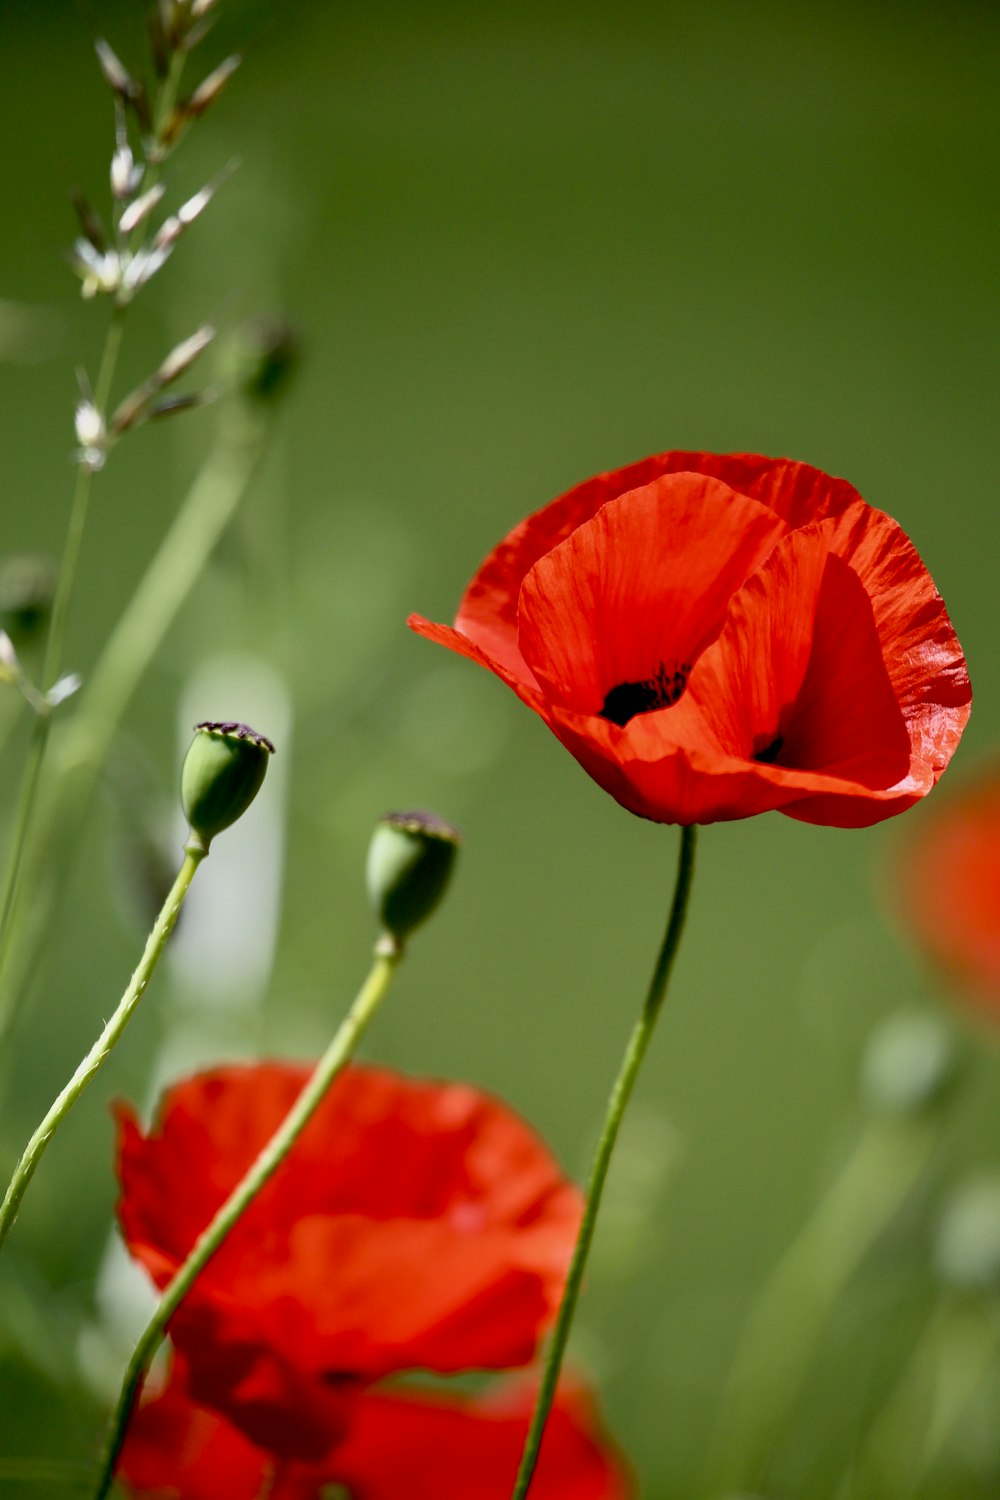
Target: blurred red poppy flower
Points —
{"points": [[414, 1445], [414, 1224], [713, 636], [950, 883]]}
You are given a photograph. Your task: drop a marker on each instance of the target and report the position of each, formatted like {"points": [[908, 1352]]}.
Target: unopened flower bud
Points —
{"points": [[126, 172], [410, 861], [211, 87], [222, 774], [91, 435], [173, 227], [180, 359], [89, 425], [261, 356], [10, 669], [27, 587], [909, 1063], [139, 211], [128, 89], [114, 70], [967, 1251]]}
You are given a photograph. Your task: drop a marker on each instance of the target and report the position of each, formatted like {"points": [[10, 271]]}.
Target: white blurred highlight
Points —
{"points": [[224, 946]]}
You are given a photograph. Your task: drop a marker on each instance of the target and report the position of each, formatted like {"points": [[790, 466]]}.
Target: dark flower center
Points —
{"points": [[769, 754], [626, 699]]}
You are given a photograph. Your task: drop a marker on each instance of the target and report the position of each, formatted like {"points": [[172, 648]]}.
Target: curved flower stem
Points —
{"points": [[162, 928], [337, 1055], [791, 1310], [620, 1093]]}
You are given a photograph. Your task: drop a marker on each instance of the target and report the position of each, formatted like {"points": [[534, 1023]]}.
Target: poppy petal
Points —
{"points": [[175, 1450], [436, 1448], [747, 682], [921, 652], [796, 677], [515, 672], [268, 1388], [635, 590], [487, 614], [414, 1444], [700, 669], [450, 1225]]}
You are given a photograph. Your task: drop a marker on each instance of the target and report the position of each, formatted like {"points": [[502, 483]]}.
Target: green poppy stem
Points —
{"points": [[333, 1061], [101, 1049], [635, 1051]]}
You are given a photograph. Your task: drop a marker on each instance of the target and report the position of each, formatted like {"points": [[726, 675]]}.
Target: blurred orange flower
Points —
{"points": [[950, 875]]}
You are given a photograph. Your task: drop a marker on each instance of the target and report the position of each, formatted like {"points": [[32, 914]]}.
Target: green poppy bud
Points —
{"points": [[410, 860], [261, 356], [222, 774], [967, 1251], [909, 1064], [27, 586]]}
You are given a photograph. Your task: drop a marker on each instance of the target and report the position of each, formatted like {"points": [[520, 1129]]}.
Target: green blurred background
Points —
{"points": [[518, 248]]}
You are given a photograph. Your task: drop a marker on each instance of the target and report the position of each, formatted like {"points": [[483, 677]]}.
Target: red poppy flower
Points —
{"points": [[950, 877], [713, 636], [413, 1224], [417, 1445]]}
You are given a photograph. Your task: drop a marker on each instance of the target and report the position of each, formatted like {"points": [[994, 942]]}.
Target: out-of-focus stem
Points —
{"points": [[28, 798], [621, 1092], [947, 1368], [208, 508], [791, 1310]]}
